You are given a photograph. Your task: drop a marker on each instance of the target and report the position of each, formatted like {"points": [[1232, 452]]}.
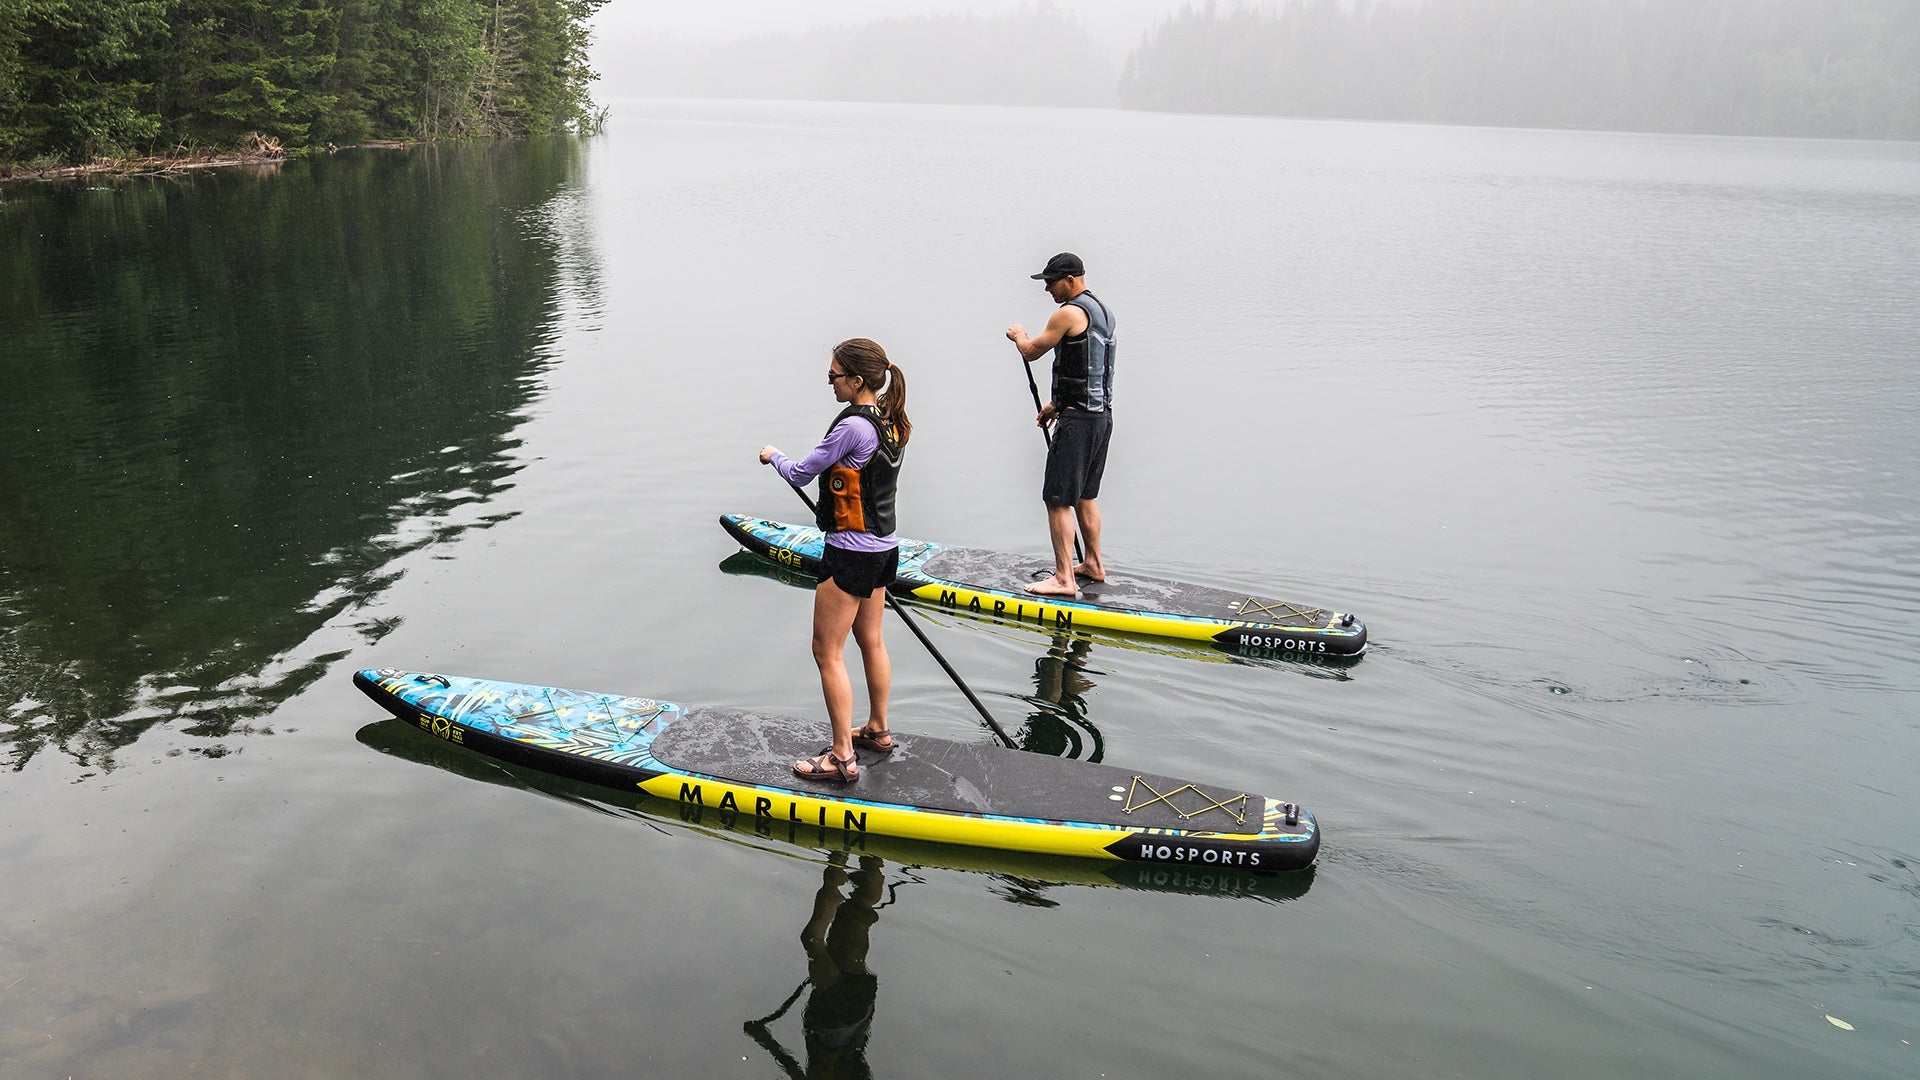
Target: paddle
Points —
{"points": [[757, 1031], [1047, 437], [900, 610]]}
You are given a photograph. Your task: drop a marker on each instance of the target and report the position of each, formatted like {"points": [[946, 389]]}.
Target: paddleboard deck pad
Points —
{"points": [[738, 762], [994, 583]]}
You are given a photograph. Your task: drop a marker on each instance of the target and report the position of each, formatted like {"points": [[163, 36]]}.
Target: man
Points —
{"points": [[1080, 334]]}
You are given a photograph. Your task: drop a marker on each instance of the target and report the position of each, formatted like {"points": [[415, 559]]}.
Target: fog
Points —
{"points": [[1115, 24], [959, 50], [1822, 68]]}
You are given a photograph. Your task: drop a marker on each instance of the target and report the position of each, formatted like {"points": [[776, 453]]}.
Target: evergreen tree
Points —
{"points": [[72, 80], [240, 66]]}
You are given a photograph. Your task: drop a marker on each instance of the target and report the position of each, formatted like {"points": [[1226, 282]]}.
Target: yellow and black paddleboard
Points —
{"points": [[731, 762], [994, 583], [1025, 873]]}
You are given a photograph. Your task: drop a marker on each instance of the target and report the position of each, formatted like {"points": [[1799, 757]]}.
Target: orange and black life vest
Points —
{"points": [[862, 499]]}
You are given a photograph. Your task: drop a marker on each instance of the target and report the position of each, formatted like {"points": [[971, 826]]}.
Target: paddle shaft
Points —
{"points": [[1047, 438], [900, 610]]}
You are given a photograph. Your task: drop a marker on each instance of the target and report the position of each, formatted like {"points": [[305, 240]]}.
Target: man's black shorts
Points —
{"points": [[1078, 458], [858, 573]]}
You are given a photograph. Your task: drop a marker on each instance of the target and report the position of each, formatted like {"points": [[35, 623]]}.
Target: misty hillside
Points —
{"points": [[1040, 58], [1837, 68], [1825, 68]]}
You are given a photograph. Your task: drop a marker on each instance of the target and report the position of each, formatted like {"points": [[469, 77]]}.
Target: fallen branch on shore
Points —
{"points": [[255, 150]]}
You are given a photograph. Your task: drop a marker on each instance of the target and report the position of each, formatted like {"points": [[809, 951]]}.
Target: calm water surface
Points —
{"points": [[1611, 439]]}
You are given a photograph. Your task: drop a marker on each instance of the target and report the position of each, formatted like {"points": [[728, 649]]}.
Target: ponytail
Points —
{"points": [[893, 401]]}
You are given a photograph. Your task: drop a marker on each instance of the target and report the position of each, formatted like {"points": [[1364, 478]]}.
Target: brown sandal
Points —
{"points": [[868, 739], [824, 766]]}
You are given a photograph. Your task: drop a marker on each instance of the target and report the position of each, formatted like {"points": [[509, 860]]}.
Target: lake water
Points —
{"points": [[1611, 440]]}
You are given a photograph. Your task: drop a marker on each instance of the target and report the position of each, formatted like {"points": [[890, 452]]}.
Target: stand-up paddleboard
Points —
{"points": [[735, 762], [994, 583], [1030, 874]]}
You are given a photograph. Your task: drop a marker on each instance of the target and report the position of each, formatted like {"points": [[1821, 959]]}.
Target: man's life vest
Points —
{"points": [[1083, 364]]}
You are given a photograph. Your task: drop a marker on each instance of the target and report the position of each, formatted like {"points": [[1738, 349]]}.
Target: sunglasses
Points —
{"points": [[832, 375]]}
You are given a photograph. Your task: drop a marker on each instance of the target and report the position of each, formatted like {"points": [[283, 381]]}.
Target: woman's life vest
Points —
{"points": [[862, 499]]}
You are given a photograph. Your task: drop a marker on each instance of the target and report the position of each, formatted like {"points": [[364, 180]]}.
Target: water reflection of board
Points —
{"points": [[732, 762], [994, 583]]}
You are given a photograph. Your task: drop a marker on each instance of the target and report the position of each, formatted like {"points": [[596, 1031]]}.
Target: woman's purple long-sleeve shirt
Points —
{"points": [[852, 443]]}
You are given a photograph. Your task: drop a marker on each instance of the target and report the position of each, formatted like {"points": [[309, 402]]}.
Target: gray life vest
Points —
{"points": [[1083, 364]]}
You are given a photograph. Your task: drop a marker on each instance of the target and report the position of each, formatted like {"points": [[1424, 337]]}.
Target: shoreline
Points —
{"points": [[162, 164]]}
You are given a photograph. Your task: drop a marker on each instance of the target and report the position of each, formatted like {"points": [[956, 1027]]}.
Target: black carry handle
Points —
{"points": [[1047, 438], [901, 611]]}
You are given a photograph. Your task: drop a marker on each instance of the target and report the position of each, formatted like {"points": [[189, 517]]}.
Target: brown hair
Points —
{"points": [[868, 360]]}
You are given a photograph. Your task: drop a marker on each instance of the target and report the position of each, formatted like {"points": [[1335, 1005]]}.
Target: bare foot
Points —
{"points": [[1053, 586], [1089, 571]]}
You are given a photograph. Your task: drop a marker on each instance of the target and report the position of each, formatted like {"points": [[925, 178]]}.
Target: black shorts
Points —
{"points": [[1078, 458], [858, 573]]}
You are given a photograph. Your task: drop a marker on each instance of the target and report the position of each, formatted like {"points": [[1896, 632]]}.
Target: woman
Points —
{"points": [[858, 464]]}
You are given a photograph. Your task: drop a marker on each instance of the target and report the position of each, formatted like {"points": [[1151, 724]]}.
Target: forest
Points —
{"points": [[85, 79], [1824, 68]]}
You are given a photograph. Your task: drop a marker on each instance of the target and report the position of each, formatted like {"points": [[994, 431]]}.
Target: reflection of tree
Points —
{"points": [[838, 1015], [1059, 726], [233, 401]]}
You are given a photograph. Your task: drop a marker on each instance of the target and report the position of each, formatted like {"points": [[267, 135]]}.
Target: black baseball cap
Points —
{"points": [[1064, 265]]}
